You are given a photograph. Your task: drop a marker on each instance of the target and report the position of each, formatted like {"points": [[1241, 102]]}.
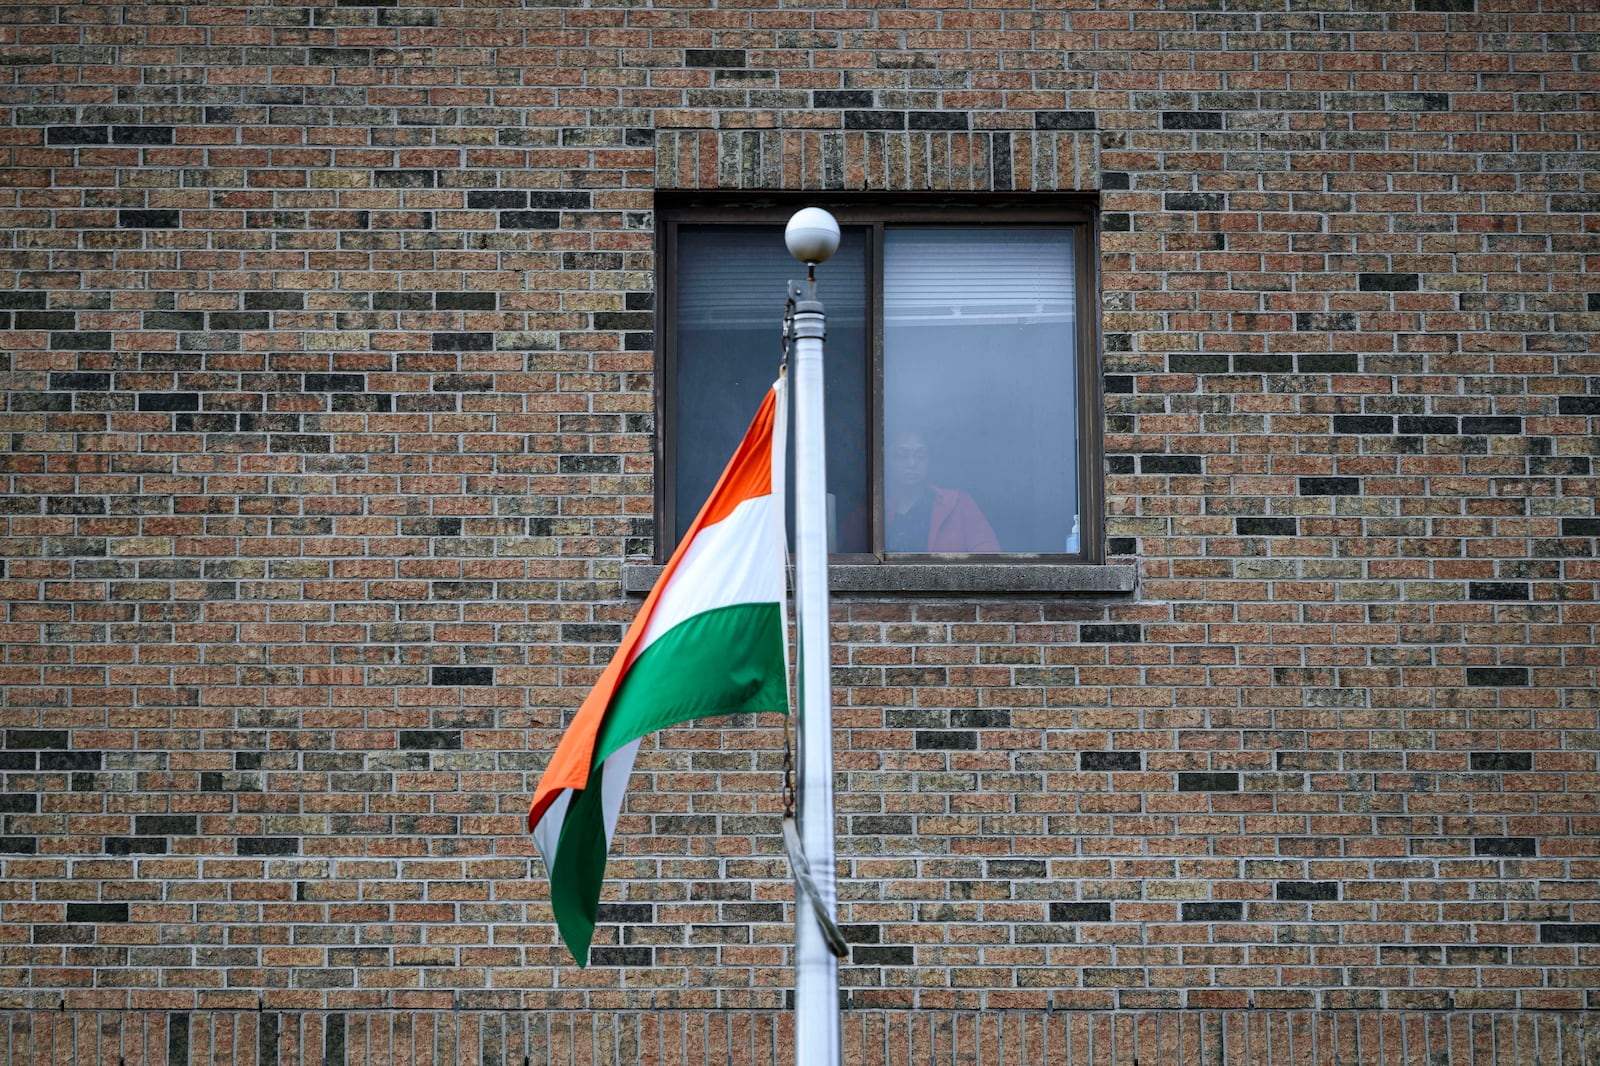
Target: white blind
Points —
{"points": [[977, 275], [731, 277]]}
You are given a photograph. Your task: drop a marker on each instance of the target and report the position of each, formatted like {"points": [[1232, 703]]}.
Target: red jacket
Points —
{"points": [[956, 524]]}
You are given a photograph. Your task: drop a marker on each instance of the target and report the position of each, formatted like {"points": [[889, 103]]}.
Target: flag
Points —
{"points": [[709, 640]]}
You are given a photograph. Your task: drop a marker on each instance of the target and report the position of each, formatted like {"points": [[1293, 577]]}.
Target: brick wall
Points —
{"points": [[328, 415]]}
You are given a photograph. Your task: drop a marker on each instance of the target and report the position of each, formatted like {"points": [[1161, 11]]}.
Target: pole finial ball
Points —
{"points": [[812, 235]]}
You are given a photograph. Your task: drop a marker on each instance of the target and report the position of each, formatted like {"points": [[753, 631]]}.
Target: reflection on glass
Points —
{"points": [[980, 391], [730, 292]]}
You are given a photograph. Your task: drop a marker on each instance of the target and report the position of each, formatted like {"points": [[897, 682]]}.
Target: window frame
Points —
{"points": [[1076, 212]]}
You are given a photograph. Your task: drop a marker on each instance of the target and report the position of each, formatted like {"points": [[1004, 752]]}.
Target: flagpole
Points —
{"points": [[812, 236]]}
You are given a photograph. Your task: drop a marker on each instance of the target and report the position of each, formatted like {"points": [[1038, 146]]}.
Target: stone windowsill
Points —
{"points": [[1071, 579]]}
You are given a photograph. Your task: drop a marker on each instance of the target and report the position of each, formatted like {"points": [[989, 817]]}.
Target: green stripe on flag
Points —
{"points": [[724, 661]]}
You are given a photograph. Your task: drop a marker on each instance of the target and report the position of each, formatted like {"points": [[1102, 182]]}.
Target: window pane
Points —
{"points": [[980, 391], [730, 293]]}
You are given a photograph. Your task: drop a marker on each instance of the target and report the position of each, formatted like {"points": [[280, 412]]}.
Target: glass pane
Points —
{"points": [[730, 293], [980, 391]]}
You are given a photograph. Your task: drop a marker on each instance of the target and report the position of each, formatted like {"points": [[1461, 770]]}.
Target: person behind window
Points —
{"points": [[920, 516]]}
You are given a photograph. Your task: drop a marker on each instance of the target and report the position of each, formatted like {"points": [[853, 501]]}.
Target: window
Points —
{"points": [[961, 370]]}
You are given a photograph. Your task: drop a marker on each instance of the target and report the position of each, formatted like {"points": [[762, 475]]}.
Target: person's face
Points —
{"points": [[907, 461]]}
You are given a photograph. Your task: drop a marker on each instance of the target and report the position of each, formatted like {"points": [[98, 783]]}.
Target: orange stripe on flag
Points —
{"points": [[748, 475]]}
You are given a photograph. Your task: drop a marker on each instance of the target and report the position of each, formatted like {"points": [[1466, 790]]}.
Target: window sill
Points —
{"points": [[982, 578]]}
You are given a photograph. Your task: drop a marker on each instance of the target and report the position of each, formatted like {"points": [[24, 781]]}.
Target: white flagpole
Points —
{"points": [[812, 236]]}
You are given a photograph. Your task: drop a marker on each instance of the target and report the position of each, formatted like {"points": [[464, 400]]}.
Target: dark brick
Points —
{"points": [[1105, 761], [19, 760], [946, 740], [80, 382], [1208, 782], [78, 135], [267, 1039], [1191, 120], [1594, 301], [1505, 847], [1308, 891], [136, 845], [591, 633], [623, 320], [237, 320], [1117, 384], [1068, 120], [560, 201], [274, 301], [867, 955], [1080, 912], [1569, 933], [1580, 527], [405, 179], [1170, 464], [867, 825], [1325, 322], [156, 825], [590, 464], [86, 342], [46, 319], [847, 98], [1579, 405], [169, 401], [1446, 5], [1432, 425], [1213, 912], [1318, 363], [1419, 101], [713, 57], [335, 382], [333, 1036], [97, 912], [70, 760], [16, 301], [463, 342], [1389, 282], [1195, 201], [269, 845], [1356, 425], [1263, 363], [875, 120], [1198, 364], [1504, 424], [37, 738], [497, 200], [1502, 760], [609, 956], [1330, 486], [530, 220], [142, 134], [639, 301], [1265, 527], [468, 676], [938, 120], [18, 803], [19, 845], [1497, 676], [1576, 202], [465, 301], [1499, 590], [148, 219], [431, 739], [182, 320], [626, 913], [1121, 633], [177, 1040]]}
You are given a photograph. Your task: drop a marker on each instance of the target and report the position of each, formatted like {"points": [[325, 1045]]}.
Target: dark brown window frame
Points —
{"points": [[1076, 212]]}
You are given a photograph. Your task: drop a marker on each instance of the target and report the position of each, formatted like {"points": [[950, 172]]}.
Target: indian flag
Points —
{"points": [[709, 640]]}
